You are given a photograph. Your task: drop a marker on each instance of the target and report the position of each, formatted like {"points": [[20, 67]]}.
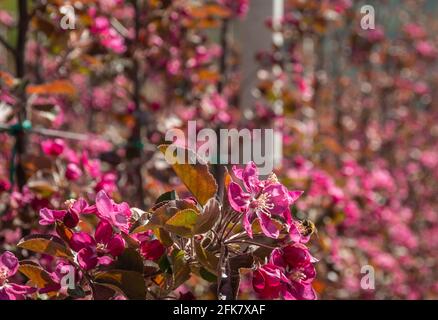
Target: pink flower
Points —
{"points": [[116, 214], [99, 250], [62, 269], [53, 147], [101, 24], [73, 172], [269, 282], [263, 200], [70, 217], [81, 206], [6, 19], [8, 268], [295, 261], [48, 216], [239, 7], [288, 275], [414, 31], [4, 185], [152, 250], [426, 49], [107, 183]]}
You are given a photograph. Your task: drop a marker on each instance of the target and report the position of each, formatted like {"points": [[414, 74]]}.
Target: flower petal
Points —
{"points": [[87, 258], [48, 217], [71, 219], [103, 204], [104, 232], [269, 228], [9, 261], [247, 224], [81, 240], [105, 260], [250, 176], [239, 200], [152, 250], [294, 195], [116, 246]]}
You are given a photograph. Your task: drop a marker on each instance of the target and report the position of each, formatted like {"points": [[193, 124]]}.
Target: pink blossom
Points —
{"points": [[426, 49], [73, 172], [269, 282], [4, 185], [99, 250], [70, 216], [8, 268], [152, 250], [117, 215], [53, 147], [238, 7], [107, 183], [48, 216], [414, 31], [6, 19], [288, 275], [295, 262], [263, 200]]}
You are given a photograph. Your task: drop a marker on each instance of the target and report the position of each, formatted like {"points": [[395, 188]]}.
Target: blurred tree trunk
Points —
{"points": [[253, 36]]}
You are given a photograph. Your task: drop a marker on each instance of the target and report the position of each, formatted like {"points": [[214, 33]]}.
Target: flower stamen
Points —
{"points": [[263, 204], [3, 276]]}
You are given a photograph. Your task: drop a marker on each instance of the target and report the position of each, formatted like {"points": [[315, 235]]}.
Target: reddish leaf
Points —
{"points": [[46, 244], [36, 275], [131, 283], [196, 177]]}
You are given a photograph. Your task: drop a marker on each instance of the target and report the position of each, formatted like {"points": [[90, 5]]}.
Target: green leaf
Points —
{"points": [[207, 275], [46, 244], [206, 258], [76, 293], [196, 177], [180, 267], [163, 213], [165, 265], [171, 195], [209, 217], [164, 237], [182, 223], [131, 283]]}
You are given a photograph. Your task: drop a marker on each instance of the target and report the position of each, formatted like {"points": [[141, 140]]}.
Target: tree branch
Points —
{"points": [[7, 45]]}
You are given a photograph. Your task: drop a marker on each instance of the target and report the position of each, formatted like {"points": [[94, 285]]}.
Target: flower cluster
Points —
{"points": [[288, 274], [265, 200], [8, 268]]}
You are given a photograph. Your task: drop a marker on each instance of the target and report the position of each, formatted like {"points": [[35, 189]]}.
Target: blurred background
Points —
{"points": [[357, 110]]}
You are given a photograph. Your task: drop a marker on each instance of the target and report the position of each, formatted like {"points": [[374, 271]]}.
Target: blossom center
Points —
{"points": [[262, 203], [297, 275], [273, 178], [101, 247], [3, 276], [69, 203]]}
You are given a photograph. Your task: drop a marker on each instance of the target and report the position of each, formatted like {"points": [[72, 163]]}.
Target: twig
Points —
{"points": [[53, 133], [7, 45], [134, 152], [224, 227], [250, 242], [218, 168]]}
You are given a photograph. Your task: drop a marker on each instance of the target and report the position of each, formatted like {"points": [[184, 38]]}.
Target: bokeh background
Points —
{"points": [[357, 110]]}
